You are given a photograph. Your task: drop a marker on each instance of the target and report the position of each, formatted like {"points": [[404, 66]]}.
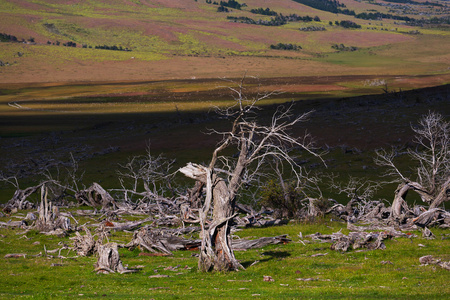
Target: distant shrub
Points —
{"points": [[348, 24], [342, 47], [222, 9], [70, 44], [281, 46], [114, 48], [278, 20], [262, 11], [286, 203], [312, 28], [7, 38]]}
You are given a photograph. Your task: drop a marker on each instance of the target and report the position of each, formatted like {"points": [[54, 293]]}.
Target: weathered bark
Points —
{"points": [[219, 231], [84, 245], [109, 260], [432, 217], [131, 225], [216, 252], [96, 196], [399, 204], [443, 195], [195, 195]]}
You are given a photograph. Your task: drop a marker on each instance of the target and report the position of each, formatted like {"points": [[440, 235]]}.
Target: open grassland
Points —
{"points": [[394, 273], [185, 39]]}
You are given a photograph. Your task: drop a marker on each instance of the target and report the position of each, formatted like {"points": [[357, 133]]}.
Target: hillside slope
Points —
{"points": [[156, 39]]}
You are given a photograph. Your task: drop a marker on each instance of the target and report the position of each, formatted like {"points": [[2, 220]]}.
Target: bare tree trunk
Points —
{"points": [[215, 252], [224, 259], [443, 195], [399, 200]]}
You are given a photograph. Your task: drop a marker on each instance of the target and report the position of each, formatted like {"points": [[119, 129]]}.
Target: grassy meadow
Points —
{"points": [[393, 273]]}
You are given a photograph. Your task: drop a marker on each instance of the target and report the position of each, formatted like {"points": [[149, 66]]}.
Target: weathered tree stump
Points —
{"points": [[109, 260], [49, 218], [85, 245]]}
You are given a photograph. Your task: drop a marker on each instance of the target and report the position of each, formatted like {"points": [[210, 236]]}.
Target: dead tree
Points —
{"points": [[19, 199], [432, 159], [255, 143], [144, 180]]}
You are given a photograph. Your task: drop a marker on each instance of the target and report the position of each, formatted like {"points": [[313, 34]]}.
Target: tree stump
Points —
{"points": [[49, 218], [109, 260]]}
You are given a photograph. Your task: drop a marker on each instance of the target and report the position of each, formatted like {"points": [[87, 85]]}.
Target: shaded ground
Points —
{"points": [[351, 128]]}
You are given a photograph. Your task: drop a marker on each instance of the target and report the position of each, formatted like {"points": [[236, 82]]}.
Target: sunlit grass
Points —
{"points": [[336, 275]]}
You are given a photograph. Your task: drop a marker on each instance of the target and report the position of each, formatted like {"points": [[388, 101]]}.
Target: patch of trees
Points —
{"points": [[281, 46], [380, 16], [245, 20], [312, 28], [114, 48], [70, 44], [426, 3], [445, 20], [222, 9], [230, 3], [342, 47], [278, 20], [4, 37], [332, 6], [347, 24], [262, 11]]}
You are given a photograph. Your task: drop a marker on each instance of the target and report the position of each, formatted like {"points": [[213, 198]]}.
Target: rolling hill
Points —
{"points": [[126, 40]]}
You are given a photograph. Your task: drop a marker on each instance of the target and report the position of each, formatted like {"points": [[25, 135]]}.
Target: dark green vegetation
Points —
{"points": [[332, 6]]}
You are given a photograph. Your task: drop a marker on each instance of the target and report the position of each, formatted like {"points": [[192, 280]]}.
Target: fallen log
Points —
{"points": [[356, 240], [96, 196], [243, 244], [158, 241], [432, 217], [430, 260]]}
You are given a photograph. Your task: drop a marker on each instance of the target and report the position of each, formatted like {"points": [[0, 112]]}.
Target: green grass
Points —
{"points": [[339, 275]]}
